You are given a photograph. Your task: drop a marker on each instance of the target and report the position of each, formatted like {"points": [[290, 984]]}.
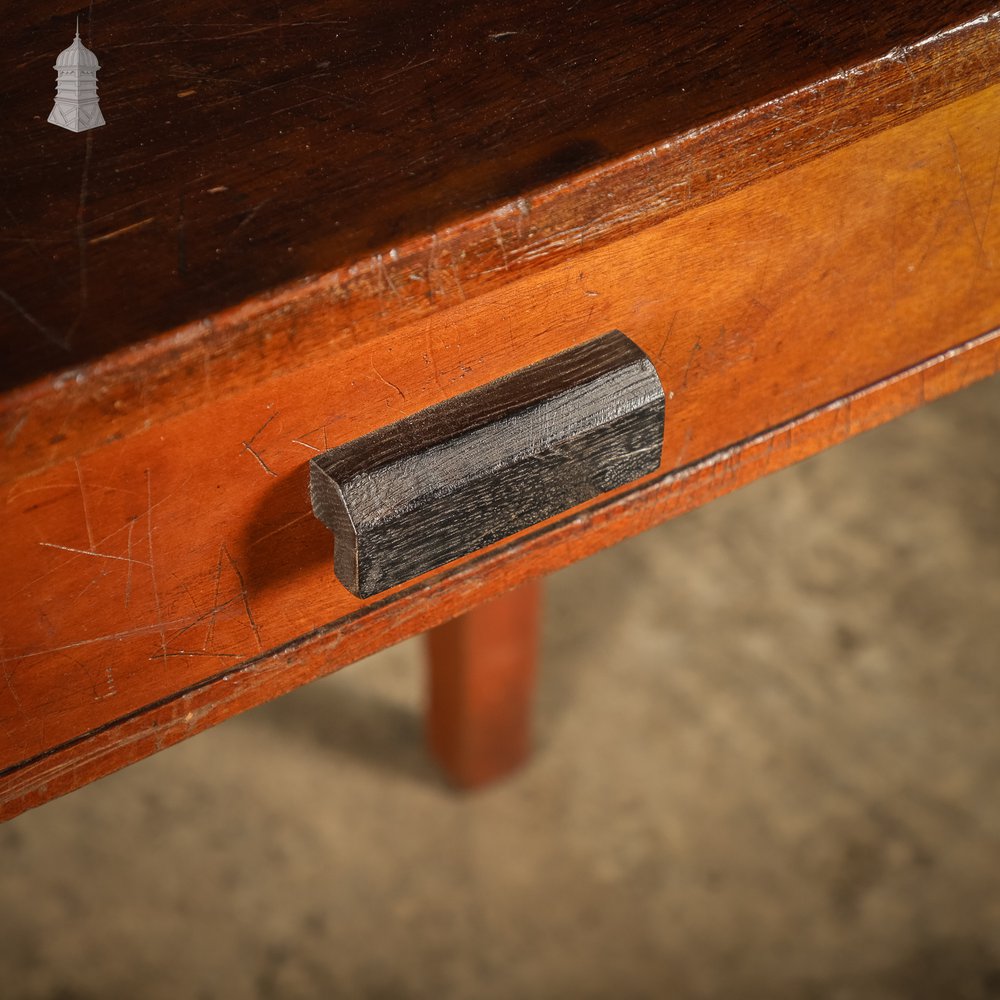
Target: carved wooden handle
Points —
{"points": [[458, 476]]}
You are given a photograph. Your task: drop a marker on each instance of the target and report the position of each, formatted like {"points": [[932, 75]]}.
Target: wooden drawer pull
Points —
{"points": [[467, 472]]}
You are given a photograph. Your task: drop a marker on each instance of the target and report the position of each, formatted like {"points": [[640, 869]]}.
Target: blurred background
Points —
{"points": [[768, 765]]}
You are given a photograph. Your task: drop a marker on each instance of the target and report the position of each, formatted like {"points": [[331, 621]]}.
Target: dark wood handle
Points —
{"points": [[461, 475]]}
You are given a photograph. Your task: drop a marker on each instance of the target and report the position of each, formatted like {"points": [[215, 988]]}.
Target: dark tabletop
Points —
{"points": [[253, 144]]}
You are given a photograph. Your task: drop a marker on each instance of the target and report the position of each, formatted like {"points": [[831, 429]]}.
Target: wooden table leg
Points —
{"points": [[481, 684]]}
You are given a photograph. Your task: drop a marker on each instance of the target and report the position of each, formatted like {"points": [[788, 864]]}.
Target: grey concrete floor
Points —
{"points": [[768, 764]]}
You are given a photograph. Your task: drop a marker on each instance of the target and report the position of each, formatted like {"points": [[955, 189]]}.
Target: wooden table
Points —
{"points": [[305, 221]]}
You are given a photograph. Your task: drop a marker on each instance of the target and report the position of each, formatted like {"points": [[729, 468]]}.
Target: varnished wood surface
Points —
{"points": [[343, 215], [188, 711], [778, 318], [277, 181], [481, 686]]}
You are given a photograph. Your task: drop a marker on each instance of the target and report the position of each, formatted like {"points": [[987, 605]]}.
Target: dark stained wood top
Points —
{"points": [[251, 145]]}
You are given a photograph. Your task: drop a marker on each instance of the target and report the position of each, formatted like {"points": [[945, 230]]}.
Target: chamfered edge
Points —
{"points": [[330, 506]]}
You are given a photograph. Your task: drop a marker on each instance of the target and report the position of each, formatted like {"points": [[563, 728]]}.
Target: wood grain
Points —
{"points": [[456, 477], [782, 317], [274, 188]]}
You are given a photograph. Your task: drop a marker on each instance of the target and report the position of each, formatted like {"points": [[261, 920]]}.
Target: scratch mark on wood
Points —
{"points": [[412, 64], [391, 385], [152, 564], [458, 280], [194, 622], [666, 338], [11, 436], [249, 448], [283, 527], [189, 596], [245, 597], [119, 232], [90, 552], [690, 360], [931, 242], [316, 430], [212, 614], [429, 337], [968, 199], [112, 688], [10, 686], [51, 569], [41, 328], [685, 444], [198, 652], [387, 277], [900, 56], [251, 215], [206, 38], [110, 637], [93, 583], [215, 602], [128, 552], [83, 501], [430, 270], [263, 427], [499, 236], [15, 493]]}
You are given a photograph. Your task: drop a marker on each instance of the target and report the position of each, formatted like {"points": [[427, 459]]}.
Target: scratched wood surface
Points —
{"points": [[152, 574], [279, 180]]}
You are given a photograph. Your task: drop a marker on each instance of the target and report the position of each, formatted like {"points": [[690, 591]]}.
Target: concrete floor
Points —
{"points": [[768, 766]]}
